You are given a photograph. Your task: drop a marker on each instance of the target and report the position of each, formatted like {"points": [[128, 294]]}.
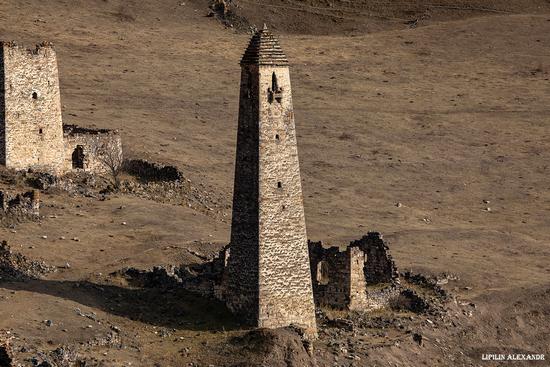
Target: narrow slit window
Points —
{"points": [[274, 84], [275, 93], [34, 95], [40, 131], [279, 185], [277, 137]]}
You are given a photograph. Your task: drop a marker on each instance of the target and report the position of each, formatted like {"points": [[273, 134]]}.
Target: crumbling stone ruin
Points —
{"points": [[91, 150], [20, 206], [267, 277], [363, 276], [32, 134]]}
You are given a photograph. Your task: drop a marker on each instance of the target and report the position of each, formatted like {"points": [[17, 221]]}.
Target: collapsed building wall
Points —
{"points": [[91, 150], [25, 205], [379, 266], [361, 276], [330, 272]]}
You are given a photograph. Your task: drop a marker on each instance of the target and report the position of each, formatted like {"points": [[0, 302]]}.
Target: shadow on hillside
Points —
{"points": [[171, 308]]}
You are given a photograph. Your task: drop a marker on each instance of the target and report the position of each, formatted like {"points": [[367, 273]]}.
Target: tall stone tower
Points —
{"points": [[31, 130], [268, 278]]}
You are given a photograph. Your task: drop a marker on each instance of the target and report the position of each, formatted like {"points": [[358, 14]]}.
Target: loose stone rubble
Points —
{"points": [[19, 207], [15, 266]]}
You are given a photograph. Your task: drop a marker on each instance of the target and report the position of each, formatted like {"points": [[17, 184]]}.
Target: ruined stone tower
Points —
{"points": [[267, 278], [31, 130]]}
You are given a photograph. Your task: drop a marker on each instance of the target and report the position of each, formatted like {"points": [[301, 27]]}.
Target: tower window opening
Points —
{"points": [[34, 95], [276, 136], [323, 277], [274, 84], [275, 92], [279, 185], [40, 131]]}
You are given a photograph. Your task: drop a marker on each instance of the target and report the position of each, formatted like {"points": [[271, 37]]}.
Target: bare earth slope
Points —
{"points": [[449, 119], [361, 16]]}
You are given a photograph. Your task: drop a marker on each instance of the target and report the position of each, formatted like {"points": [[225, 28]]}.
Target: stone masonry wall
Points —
{"points": [[100, 148], [31, 126], [330, 271], [285, 293], [2, 109], [240, 282], [358, 296], [267, 278]]}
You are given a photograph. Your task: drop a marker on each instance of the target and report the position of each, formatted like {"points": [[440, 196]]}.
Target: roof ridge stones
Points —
{"points": [[264, 49]]}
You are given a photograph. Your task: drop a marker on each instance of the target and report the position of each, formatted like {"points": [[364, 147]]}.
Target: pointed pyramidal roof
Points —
{"points": [[264, 49]]}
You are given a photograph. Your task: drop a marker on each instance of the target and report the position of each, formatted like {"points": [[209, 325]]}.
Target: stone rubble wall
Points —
{"points": [[150, 171], [376, 299]]}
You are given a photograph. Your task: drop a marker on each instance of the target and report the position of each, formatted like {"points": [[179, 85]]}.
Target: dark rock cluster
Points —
{"points": [[15, 266]]}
